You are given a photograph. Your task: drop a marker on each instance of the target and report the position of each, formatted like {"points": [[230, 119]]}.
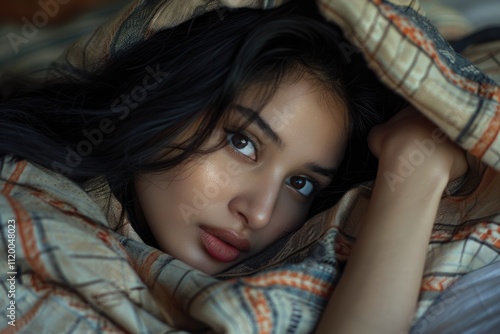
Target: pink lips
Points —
{"points": [[223, 245]]}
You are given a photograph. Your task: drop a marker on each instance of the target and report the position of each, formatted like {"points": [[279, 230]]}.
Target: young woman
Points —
{"points": [[184, 132], [218, 137]]}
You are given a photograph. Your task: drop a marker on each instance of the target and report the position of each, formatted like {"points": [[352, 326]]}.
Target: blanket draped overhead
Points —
{"points": [[74, 273]]}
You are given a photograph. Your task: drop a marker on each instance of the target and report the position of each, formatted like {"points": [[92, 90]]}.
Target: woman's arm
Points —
{"points": [[378, 290]]}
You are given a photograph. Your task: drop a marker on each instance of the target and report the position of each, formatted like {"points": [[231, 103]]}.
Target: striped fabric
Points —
{"points": [[451, 24], [73, 273], [486, 56], [400, 45], [469, 306]]}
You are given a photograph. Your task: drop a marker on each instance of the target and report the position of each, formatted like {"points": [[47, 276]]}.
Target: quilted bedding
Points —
{"points": [[73, 272]]}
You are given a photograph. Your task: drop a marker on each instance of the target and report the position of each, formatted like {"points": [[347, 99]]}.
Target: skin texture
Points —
{"points": [[253, 191], [379, 288]]}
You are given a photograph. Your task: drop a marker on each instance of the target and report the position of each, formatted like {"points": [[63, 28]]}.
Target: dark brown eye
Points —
{"points": [[242, 144], [302, 185], [297, 182], [239, 141]]}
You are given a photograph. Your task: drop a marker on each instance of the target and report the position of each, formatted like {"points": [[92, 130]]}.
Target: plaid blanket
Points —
{"points": [[66, 269]]}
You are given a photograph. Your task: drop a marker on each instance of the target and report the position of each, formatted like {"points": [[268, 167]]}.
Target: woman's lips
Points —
{"points": [[223, 245]]}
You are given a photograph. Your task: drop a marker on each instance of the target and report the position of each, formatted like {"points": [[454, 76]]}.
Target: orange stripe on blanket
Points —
{"points": [[62, 206], [90, 314], [416, 36], [484, 231], [26, 317], [261, 309], [143, 269], [434, 283], [14, 177], [488, 137], [27, 237], [487, 232], [293, 279]]}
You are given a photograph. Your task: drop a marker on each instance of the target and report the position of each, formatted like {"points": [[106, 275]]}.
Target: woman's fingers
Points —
{"points": [[411, 139]]}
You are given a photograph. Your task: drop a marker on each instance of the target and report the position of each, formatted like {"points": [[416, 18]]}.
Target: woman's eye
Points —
{"points": [[243, 144], [302, 185]]}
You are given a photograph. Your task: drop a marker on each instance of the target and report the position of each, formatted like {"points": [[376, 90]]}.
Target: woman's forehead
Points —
{"points": [[305, 115], [305, 96]]}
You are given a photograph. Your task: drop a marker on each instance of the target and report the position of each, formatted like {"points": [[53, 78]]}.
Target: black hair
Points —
{"points": [[126, 118]]}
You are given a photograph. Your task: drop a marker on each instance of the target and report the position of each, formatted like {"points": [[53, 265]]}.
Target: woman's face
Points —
{"points": [[224, 207]]}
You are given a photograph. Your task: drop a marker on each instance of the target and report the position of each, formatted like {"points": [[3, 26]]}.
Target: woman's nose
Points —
{"points": [[255, 203]]}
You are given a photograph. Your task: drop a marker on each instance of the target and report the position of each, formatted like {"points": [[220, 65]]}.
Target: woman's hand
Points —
{"points": [[410, 144]]}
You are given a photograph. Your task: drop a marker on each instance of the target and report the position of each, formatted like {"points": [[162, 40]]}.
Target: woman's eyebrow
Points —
{"points": [[254, 117], [314, 167]]}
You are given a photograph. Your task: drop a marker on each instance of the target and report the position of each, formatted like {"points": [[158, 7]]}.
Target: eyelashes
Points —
{"points": [[246, 145], [242, 143], [303, 185]]}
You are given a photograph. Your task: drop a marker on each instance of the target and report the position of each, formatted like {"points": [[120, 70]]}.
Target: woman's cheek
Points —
{"points": [[289, 217]]}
